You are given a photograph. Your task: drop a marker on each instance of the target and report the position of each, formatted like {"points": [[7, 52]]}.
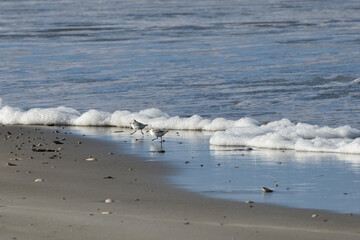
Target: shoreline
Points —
{"points": [[69, 201]]}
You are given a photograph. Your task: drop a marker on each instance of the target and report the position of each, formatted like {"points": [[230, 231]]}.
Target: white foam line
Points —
{"points": [[282, 134]]}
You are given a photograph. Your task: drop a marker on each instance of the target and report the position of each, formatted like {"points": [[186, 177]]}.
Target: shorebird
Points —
{"points": [[157, 133], [137, 125]]}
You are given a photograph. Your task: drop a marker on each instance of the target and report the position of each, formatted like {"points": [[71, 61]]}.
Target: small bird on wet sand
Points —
{"points": [[137, 125], [157, 133]]}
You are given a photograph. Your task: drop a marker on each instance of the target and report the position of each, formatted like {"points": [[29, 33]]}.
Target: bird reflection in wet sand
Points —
{"points": [[156, 149]]}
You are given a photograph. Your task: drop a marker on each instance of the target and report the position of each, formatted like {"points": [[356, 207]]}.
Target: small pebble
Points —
{"points": [[314, 215], [106, 213], [39, 180], [108, 200]]}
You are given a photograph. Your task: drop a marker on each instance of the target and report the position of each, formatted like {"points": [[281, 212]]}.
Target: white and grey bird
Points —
{"points": [[137, 125], [157, 133]]}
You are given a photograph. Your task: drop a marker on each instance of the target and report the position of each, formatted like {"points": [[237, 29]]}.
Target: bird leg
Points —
{"points": [[133, 132]]}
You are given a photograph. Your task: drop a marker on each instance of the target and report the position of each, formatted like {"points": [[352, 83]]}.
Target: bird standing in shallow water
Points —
{"points": [[157, 133], [137, 125]]}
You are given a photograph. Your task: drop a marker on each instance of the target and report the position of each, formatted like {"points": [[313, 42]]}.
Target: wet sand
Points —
{"points": [[55, 193]]}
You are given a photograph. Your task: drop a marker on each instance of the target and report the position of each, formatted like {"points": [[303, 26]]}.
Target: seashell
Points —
{"points": [[106, 213], [267, 190], [314, 215], [10, 164], [90, 159], [108, 200], [39, 180]]}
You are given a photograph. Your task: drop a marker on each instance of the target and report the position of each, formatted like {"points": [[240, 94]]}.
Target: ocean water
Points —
{"points": [[226, 68]]}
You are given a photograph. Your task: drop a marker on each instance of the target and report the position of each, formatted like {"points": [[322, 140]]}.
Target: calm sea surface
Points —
{"points": [[262, 59]]}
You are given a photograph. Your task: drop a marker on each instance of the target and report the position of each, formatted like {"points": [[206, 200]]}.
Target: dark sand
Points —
{"points": [[70, 201]]}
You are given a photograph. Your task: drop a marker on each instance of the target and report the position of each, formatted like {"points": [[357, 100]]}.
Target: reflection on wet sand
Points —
{"points": [[298, 179]]}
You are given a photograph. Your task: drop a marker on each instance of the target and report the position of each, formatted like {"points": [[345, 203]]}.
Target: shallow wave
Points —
{"points": [[153, 117], [282, 134]]}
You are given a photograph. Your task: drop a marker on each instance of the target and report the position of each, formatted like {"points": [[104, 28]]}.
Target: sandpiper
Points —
{"points": [[157, 133], [137, 125]]}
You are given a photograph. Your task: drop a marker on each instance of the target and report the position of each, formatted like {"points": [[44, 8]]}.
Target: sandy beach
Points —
{"points": [[56, 185]]}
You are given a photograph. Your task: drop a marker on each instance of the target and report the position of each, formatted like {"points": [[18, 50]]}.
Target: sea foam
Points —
{"points": [[153, 117], [282, 134]]}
